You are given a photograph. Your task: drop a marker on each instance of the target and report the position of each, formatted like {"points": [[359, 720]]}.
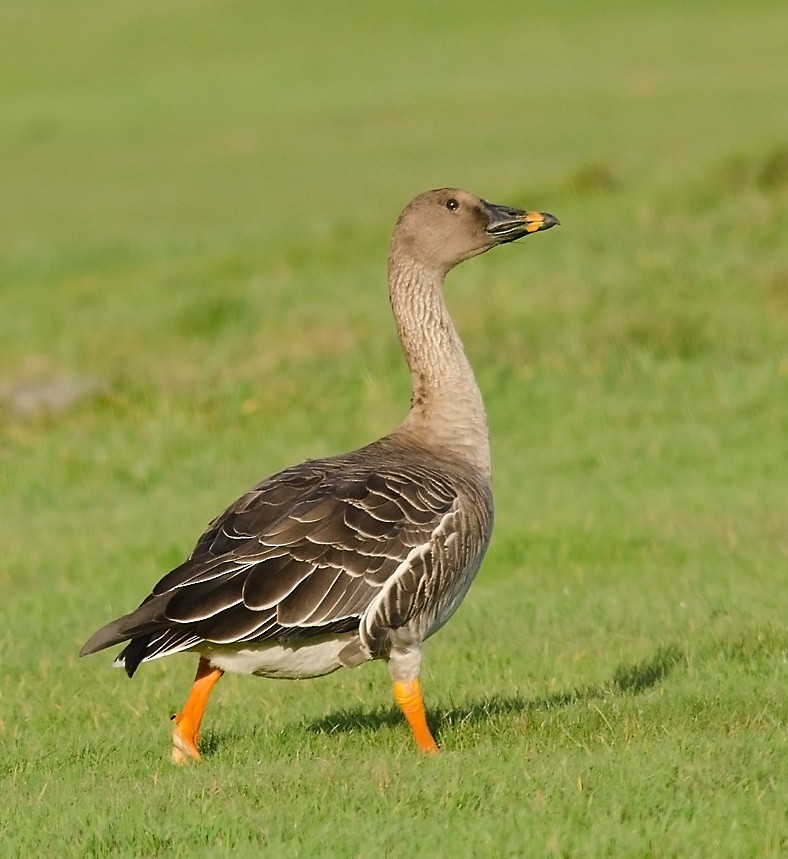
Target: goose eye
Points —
{"points": [[452, 204]]}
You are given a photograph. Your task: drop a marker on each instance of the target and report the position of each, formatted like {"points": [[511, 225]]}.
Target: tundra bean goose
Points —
{"points": [[362, 556]]}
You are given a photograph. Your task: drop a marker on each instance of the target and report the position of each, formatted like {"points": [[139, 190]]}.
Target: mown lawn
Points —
{"points": [[196, 204]]}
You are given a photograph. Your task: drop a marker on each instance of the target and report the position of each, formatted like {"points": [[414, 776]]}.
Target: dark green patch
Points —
{"points": [[773, 173], [213, 316]]}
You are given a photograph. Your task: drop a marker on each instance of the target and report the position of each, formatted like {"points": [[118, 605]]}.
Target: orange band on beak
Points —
{"points": [[534, 221]]}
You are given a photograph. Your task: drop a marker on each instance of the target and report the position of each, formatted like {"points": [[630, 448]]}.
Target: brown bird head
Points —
{"points": [[441, 228]]}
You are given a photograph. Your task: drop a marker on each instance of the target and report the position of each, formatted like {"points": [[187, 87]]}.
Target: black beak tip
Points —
{"points": [[550, 221]]}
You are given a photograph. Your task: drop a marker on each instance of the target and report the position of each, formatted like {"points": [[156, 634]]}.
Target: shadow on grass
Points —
{"points": [[628, 679]]}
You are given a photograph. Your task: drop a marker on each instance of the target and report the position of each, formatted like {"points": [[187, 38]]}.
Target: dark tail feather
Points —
{"points": [[112, 633], [136, 628], [134, 653], [115, 633]]}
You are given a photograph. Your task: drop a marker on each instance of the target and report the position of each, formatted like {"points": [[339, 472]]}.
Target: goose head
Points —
{"points": [[441, 228]]}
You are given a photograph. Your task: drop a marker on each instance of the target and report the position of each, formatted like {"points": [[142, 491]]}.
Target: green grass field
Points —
{"points": [[196, 204]]}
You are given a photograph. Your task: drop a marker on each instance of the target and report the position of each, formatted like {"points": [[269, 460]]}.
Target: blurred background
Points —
{"points": [[147, 125]]}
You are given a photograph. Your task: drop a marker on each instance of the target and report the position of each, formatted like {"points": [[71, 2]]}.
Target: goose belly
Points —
{"points": [[294, 661]]}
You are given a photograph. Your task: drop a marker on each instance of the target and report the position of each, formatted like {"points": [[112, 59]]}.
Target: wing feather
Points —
{"points": [[299, 605], [313, 549], [206, 599], [269, 582]]}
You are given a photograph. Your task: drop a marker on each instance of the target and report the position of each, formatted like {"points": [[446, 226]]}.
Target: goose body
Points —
{"points": [[337, 561]]}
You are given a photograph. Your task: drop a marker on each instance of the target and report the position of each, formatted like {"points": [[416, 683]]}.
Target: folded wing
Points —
{"points": [[305, 553]]}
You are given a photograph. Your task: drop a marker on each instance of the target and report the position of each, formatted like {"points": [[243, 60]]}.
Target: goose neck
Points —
{"points": [[446, 405]]}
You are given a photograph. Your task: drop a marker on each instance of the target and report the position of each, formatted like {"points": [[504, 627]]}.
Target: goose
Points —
{"points": [[362, 556]]}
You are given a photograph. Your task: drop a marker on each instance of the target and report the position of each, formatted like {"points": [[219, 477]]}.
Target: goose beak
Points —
{"points": [[535, 222], [507, 224]]}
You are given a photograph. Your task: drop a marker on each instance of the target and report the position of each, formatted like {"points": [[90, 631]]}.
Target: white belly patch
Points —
{"points": [[297, 661]]}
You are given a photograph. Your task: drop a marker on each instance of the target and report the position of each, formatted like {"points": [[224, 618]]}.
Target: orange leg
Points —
{"points": [[187, 723], [408, 696]]}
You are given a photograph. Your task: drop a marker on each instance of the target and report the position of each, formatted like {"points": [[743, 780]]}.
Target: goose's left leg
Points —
{"points": [[186, 732]]}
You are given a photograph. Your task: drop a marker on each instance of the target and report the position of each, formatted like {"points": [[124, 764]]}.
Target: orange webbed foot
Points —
{"points": [[184, 740]]}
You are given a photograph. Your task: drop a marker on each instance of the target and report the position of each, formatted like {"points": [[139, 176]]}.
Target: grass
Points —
{"points": [[197, 202]]}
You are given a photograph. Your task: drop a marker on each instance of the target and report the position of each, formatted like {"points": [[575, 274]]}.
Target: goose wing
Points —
{"points": [[304, 553]]}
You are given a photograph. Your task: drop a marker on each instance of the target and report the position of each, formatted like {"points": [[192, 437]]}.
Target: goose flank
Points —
{"points": [[338, 561]]}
